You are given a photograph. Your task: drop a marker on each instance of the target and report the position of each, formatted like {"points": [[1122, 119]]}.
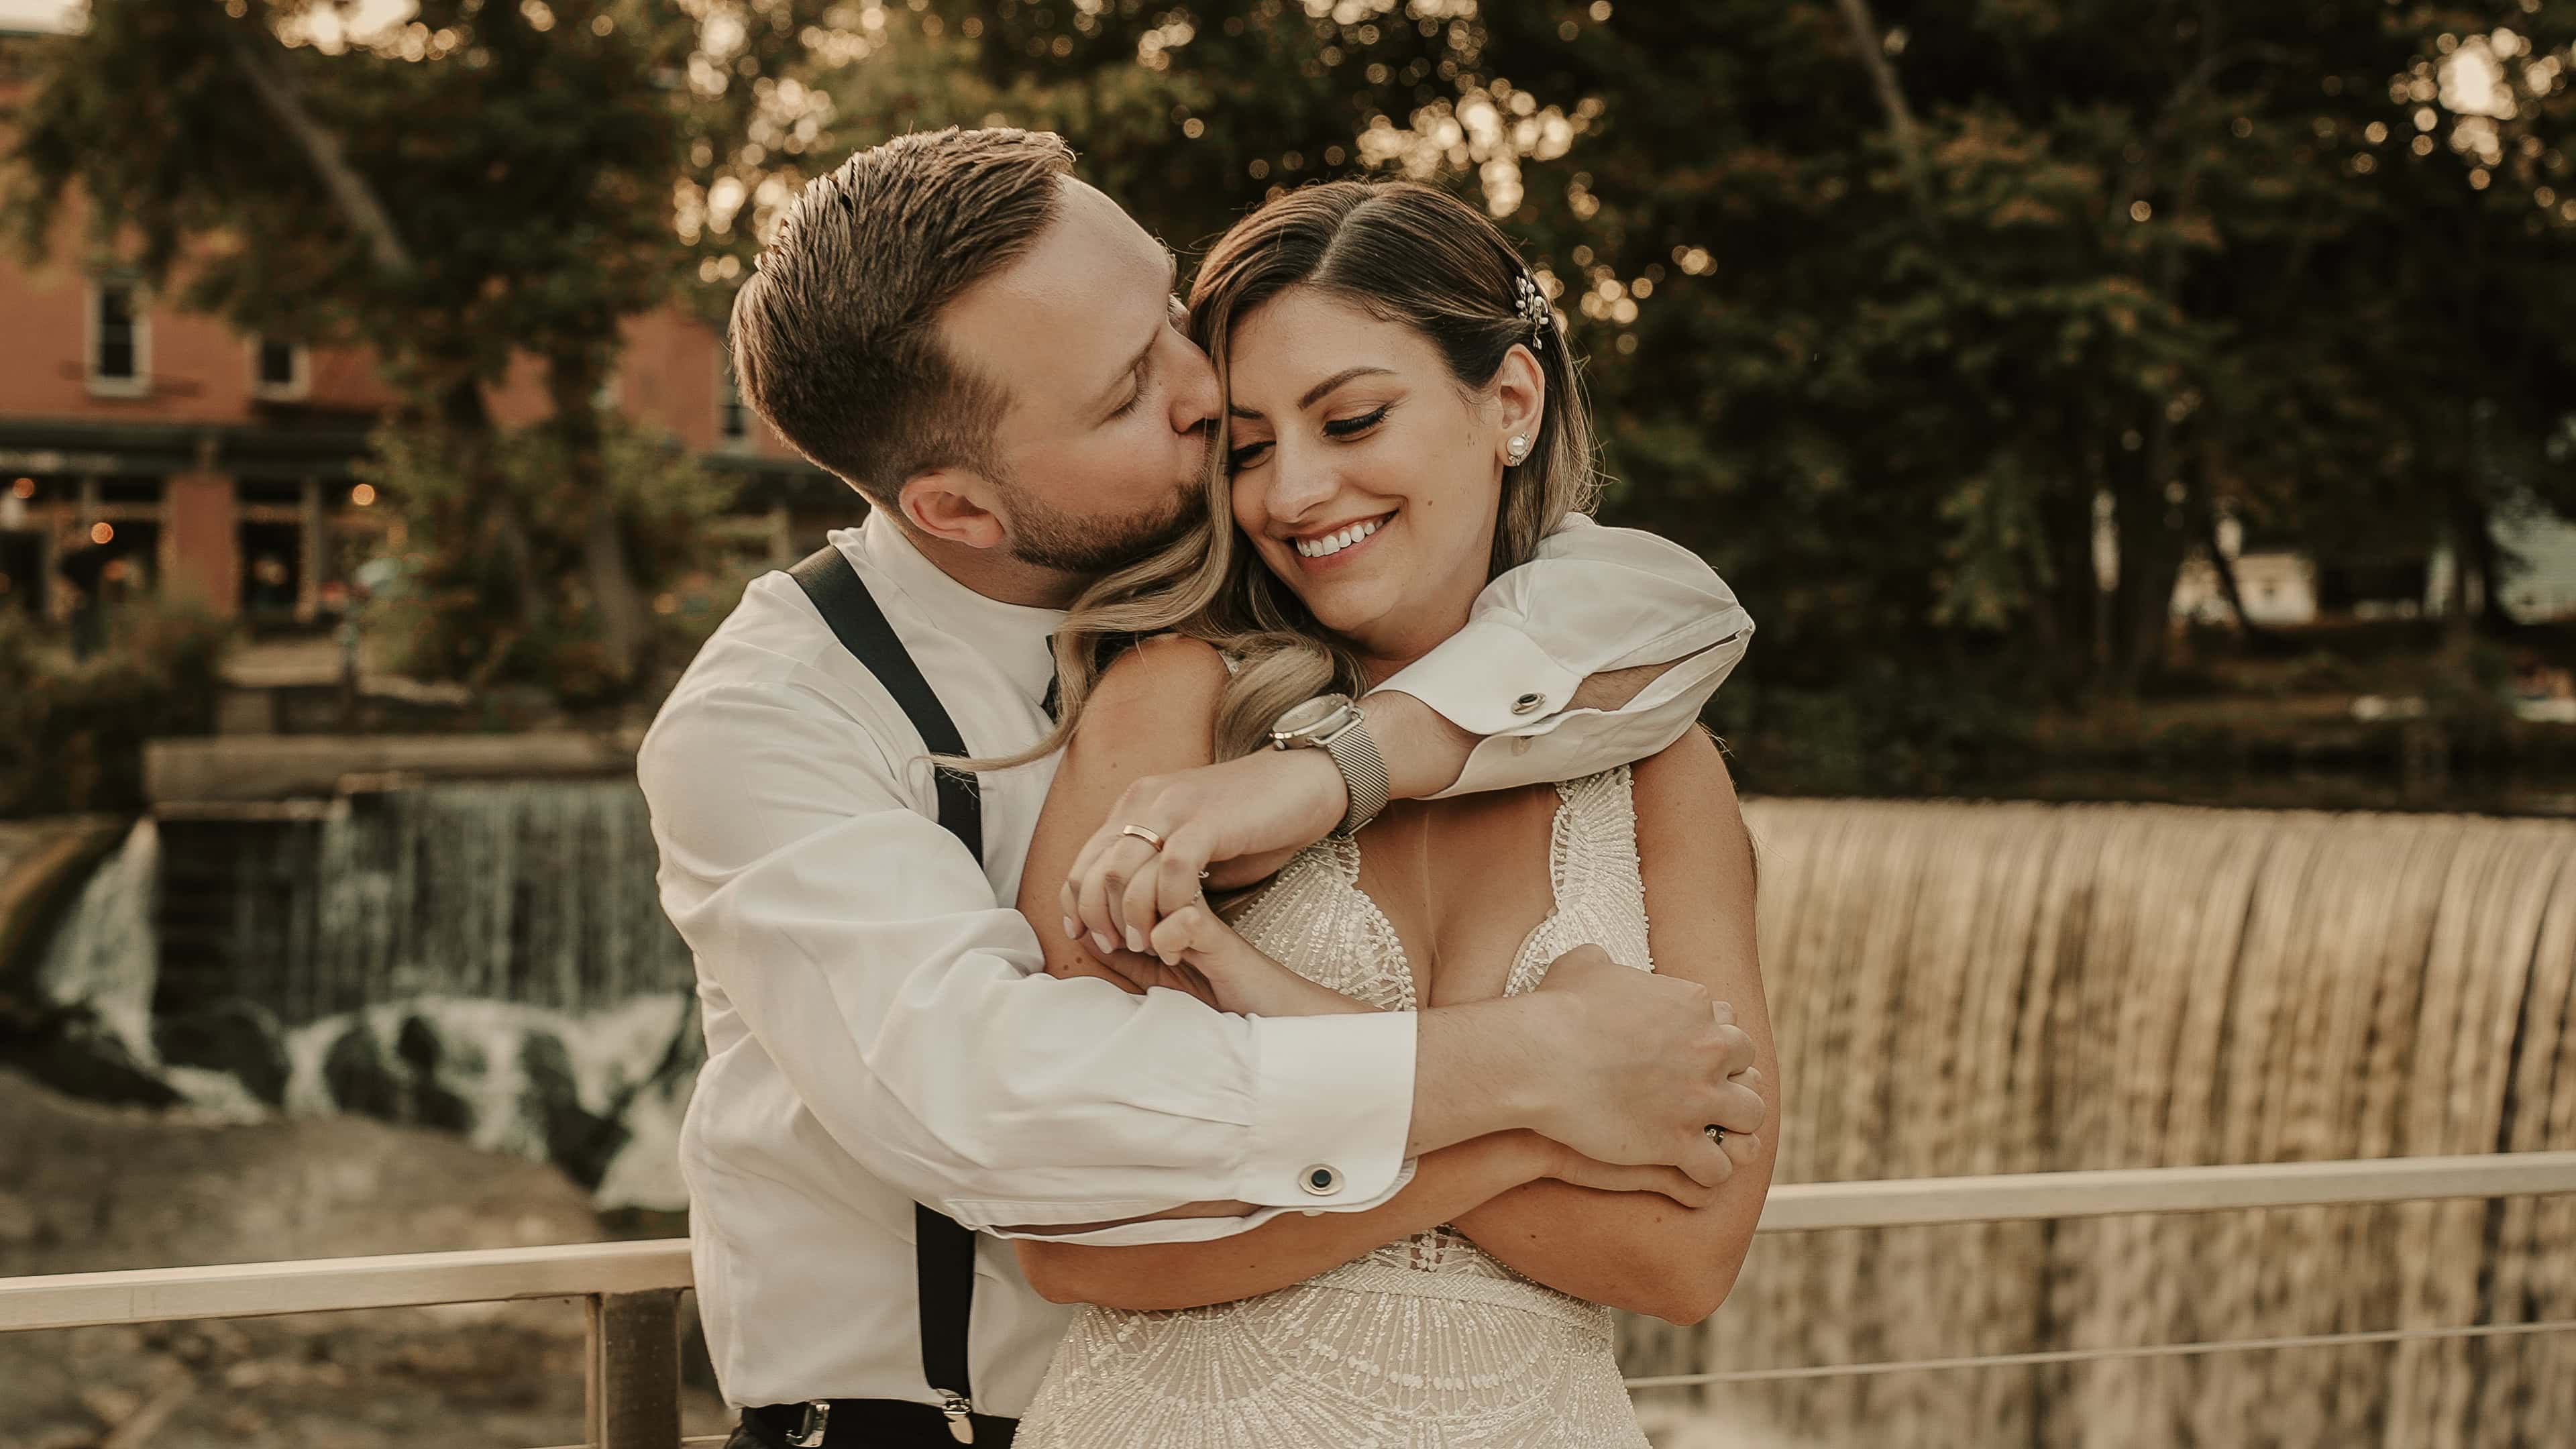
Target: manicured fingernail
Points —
{"points": [[1171, 960], [1101, 940], [1072, 929], [1135, 940]]}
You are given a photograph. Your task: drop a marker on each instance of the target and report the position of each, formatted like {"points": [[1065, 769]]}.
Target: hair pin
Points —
{"points": [[1530, 305]]}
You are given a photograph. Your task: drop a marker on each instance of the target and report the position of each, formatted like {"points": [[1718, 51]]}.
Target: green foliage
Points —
{"points": [[448, 618], [1889, 349], [72, 735]]}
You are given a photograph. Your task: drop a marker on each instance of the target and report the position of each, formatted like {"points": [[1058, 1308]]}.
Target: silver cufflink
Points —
{"points": [[1528, 703], [1320, 1180]]}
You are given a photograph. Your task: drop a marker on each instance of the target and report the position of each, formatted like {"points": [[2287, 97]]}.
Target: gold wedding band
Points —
{"points": [[1143, 834]]}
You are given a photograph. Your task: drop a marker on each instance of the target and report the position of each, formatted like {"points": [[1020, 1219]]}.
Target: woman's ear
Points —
{"points": [[1520, 396], [953, 505]]}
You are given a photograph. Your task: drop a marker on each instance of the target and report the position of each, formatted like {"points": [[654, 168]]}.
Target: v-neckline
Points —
{"points": [[1349, 880]]}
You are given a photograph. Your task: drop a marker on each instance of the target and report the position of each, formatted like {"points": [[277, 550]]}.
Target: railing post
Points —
{"points": [[633, 1383]]}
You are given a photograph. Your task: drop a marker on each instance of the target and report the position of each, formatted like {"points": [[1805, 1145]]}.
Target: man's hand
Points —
{"points": [[1651, 1063], [1267, 804]]}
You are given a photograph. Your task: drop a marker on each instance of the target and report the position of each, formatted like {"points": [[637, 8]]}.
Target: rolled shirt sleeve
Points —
{"points": [[1593, 600], [863, 952]]}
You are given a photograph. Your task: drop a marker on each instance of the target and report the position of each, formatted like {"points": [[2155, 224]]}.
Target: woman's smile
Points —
{"points": [[1331, 548]]}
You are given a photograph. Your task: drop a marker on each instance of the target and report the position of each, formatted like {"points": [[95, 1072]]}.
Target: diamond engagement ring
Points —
{"points": [[1145, 835], [1715, 1132]]}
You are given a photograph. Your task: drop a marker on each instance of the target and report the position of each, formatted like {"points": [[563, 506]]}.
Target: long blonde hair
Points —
{"points": [[1408, 254]]}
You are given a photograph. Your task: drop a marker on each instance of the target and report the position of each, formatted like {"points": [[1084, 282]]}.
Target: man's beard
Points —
{"points": [[1051, 538]]}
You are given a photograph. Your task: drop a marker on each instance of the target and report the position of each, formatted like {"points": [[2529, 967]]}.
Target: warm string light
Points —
{"points": [[102, 532]]}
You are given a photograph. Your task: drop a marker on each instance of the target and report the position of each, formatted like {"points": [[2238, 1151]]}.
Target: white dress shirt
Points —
{"points": [[880, 1031]]}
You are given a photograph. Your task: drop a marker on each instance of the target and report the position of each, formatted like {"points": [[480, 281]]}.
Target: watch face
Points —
{"points": [[1310, 713]]}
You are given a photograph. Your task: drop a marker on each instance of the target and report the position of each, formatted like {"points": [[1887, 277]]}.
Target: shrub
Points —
{"points": [[72, 735]]}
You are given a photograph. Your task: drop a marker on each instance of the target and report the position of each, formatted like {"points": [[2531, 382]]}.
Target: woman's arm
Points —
{"points": [[1294, 1247], [1290, 1248], [1152, 712], [1639, 1251]]}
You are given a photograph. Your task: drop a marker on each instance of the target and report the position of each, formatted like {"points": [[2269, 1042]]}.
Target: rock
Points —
{"points": [[237, 1037]]}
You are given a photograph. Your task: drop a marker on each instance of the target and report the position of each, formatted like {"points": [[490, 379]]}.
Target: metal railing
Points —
{"points": [[631, 1290]]}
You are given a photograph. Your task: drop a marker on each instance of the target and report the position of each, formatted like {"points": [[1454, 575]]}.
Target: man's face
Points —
{"points": [[1103, 448]]}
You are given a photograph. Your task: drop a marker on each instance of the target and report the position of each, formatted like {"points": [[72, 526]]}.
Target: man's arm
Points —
{"points": [[1620, 1064], [1597, 653], [862, 948]]}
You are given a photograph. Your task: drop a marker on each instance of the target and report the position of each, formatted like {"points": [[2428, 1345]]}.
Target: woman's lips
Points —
{"points": [[1343, 555]]}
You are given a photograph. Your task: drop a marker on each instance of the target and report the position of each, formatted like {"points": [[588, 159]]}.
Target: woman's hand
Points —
{"points": [[1236, 821], [1195, 938], [1573, 1167]]}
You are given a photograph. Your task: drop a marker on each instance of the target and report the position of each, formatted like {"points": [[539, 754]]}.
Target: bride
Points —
{"points": [[1404, 423]]}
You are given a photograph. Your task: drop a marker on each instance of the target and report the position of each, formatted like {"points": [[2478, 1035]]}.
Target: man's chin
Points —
{"points": [[1091, 549]]}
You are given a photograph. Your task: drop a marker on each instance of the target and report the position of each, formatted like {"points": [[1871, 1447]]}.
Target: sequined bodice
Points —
{"points": [[1315, 918], [1424, 1342]]}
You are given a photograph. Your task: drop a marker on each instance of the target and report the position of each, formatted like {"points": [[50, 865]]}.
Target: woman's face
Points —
{"points": [[1363, 475]]}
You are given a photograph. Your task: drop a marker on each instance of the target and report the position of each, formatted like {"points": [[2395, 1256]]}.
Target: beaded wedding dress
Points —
{"points": [[1426, 1343]]}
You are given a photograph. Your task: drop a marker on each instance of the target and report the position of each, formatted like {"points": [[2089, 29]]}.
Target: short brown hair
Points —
{"points": [[835, 337]]}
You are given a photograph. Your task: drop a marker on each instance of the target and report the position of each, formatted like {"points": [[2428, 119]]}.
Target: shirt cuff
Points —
{"points": [[1332, 1105], [1201, 1230], [1488, 679]]}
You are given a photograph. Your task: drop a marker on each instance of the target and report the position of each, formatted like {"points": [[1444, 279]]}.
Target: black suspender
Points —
{"points": [[943, 1251]]}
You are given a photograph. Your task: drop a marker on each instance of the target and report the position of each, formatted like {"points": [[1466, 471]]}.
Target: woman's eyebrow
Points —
{"points": [[1322, 388], [1337, 379]]}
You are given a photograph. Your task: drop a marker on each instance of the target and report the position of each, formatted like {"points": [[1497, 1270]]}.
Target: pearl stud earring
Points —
{"points": [[1516, 447]]}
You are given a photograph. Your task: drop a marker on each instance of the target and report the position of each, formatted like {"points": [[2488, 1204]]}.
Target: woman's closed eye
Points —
{"points": [[1353, 427], [1340, 429]]}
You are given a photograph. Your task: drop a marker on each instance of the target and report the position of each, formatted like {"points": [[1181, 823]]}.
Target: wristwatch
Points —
{"points": [[1333, 723]]}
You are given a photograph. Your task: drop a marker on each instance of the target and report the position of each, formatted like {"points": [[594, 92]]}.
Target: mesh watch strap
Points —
{"points": [[1354, 750]]}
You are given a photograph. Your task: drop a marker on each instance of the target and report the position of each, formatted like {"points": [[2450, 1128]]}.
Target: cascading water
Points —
{"points": [[1964, 989], [1955, 988], [488, 958]]}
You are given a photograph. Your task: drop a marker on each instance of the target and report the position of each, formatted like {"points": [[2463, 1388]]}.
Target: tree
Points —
{"points": [[483, 182]]}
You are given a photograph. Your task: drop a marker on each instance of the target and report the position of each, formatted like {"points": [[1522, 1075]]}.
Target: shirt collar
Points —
{"points": [[1013, 636]]}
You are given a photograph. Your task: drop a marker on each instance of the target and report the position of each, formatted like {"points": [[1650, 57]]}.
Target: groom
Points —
{"points": [[988, 350]]}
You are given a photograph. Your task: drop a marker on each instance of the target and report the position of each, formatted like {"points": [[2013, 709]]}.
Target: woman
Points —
{"points": [[1404, 423]]}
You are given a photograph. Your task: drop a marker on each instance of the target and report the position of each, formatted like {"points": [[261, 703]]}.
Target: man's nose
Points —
{"points": [[1195, 400]]}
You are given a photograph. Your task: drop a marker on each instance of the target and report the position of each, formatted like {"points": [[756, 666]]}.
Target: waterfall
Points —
{"points": [[1960, 989], [1955, 989], [487, 958], [536, 892], [105, 955]]}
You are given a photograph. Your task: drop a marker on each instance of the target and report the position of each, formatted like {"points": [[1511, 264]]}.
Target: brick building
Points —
{"points": [[196, 461]]}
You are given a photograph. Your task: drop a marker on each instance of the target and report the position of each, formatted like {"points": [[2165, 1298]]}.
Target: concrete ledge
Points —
{"points": [[241, 768]]}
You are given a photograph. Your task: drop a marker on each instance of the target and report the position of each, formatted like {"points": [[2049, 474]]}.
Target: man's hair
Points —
{"points": [[836, 337]]}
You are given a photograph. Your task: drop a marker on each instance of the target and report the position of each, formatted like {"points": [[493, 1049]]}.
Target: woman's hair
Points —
{"points": [[1405, 253]]}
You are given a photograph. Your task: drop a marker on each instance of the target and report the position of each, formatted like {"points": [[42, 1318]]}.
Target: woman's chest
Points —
{"points": [[1462, 885]]}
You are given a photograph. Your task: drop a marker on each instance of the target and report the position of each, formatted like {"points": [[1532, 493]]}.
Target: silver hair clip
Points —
{"points": [[1530, 304]]}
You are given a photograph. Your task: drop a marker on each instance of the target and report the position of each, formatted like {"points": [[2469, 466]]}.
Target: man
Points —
{"points": [[987, 349]]}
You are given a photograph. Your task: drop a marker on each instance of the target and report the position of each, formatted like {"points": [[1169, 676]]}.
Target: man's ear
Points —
{"points": [[1520, 393], [952, 505]]}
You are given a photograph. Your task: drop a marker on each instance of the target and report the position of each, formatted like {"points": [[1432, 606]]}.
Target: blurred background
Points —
{"points": [[2145, 431]]}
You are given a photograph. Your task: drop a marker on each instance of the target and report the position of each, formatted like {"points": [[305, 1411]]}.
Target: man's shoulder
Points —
{"points": [[773, 653]]}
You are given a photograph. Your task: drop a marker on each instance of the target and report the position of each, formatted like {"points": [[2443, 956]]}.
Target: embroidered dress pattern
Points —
{"points": [[1426, 1343]]}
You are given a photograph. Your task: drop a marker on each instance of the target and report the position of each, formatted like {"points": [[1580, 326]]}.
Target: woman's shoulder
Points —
{"points": [[1160, 690], [1161, 667], [1686, 774]]}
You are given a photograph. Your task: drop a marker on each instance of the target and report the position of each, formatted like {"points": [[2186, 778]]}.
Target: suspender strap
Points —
{"points": [[943, 1251]]}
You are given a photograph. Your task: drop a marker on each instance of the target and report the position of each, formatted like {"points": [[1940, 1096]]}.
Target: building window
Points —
{"points": [[120, 340], [733, 421], [279, 371]]}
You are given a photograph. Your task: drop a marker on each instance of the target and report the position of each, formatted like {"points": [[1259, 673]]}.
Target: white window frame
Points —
{"points": [[299, 383], [139, 308]]}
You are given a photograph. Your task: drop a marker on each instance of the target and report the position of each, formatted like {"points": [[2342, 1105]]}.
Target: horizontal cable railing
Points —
{"points": [[631, 1290]]}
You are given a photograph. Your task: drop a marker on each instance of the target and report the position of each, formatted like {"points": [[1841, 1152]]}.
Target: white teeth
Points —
{"points": [[1335, 542]]}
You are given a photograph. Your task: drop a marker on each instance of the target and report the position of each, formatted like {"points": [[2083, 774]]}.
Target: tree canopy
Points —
{"points": [[1924, 322]]}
